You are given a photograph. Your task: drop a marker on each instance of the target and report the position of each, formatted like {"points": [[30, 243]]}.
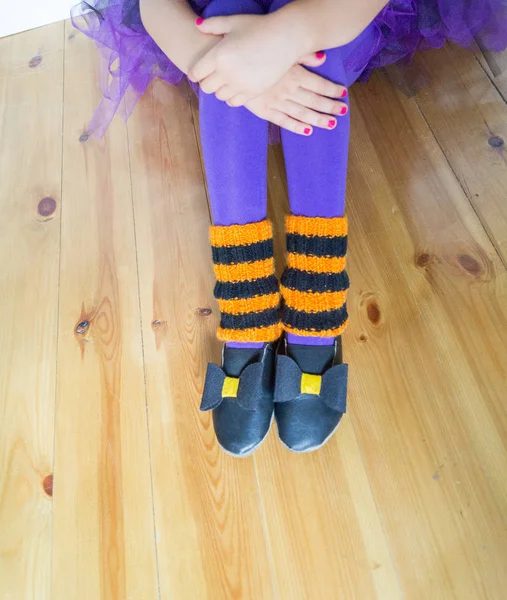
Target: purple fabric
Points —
{"points": [[133, 60], [245, 344], [309, 340]]}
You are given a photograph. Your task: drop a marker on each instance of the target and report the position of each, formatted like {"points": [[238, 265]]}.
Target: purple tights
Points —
{"points": [[235, 142]]}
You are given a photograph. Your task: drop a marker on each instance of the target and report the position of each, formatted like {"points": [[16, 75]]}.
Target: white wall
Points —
{"points": [[19, 15]]}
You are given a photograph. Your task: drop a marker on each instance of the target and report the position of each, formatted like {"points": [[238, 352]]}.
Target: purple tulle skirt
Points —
{"points": [[133, 59]]}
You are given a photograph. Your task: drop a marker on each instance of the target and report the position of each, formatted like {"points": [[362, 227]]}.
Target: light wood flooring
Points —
{"points": [[112, 486]]}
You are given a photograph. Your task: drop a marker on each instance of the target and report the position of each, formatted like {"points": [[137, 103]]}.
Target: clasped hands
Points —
{"points": [[259, 64]]}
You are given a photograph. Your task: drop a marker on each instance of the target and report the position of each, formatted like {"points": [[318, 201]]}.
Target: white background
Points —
{"points": [[19, 15]]}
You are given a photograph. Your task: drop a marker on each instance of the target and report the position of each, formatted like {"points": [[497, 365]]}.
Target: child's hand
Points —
{"points": [[251, 58], [301, 99]]}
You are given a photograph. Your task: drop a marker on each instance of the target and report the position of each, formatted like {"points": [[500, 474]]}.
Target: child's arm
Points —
{"points": [[171, 23], [258, 50], [327, 23]]}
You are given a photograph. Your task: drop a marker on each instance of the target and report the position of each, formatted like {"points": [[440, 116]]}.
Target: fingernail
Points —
{"points": [[320, 54], [344, 93], [199, 21], [331, 123], [343, 111], [307, 131]]}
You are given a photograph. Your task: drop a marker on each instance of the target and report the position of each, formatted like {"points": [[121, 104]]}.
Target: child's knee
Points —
{"points": [[276, 4], [226, 8], [333, 68]]}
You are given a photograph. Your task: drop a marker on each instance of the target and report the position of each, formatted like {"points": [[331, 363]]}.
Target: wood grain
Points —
{"points": [[428, 319], [208, 518], [324, 530], [103, 534], [468, 118], [108, 306], [31, 79], [495, 67]]}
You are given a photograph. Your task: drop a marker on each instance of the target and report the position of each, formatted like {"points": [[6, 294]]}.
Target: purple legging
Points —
{"points": [[235, 142]]}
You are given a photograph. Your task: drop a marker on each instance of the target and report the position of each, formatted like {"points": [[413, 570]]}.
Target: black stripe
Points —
{"points": [[303, 281], [316, 246], [228, 255], [263, 318], [329, 319], [225, 290]]}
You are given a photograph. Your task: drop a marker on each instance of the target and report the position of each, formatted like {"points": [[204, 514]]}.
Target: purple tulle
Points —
{"points": [[133, 59]]}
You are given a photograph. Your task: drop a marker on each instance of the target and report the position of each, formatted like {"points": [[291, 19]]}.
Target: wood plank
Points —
{"points": [[325, 534], [428, 306], [495, 66], [103, 512], [31, 101], [468, 117], [210, 535]]}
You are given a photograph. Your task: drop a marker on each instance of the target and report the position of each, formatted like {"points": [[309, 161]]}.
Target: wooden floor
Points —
{"points": [[111, 482]]}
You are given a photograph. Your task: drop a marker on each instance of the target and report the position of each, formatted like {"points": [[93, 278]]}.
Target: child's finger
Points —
{"points": [[315, 59], [323, 87], [202, 68], [225, 93], [306, 115], [211, 84], [285, 121], [215, 25], [321, 104], [237, 100]]}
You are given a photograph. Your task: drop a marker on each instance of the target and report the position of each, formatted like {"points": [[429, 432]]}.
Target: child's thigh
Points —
{"points": [[225, 8]]}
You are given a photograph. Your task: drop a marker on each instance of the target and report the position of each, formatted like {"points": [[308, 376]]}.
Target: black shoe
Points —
{"points": [[240, 394], [310, 394]]}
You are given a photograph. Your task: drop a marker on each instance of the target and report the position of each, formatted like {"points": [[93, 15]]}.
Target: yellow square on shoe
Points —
{"points": [[311, 384], [230, 387]]}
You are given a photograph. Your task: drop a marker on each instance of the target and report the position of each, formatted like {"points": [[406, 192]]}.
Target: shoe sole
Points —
{"points": [[250, 452]]}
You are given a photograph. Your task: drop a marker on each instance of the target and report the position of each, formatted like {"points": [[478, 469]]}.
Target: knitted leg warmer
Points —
{"points": [[247, 289], [315, 283]]}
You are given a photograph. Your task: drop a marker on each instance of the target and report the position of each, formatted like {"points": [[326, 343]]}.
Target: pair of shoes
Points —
{"points": [[304, 387]]}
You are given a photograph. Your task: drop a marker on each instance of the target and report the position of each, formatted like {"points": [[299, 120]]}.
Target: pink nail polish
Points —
{"points": [[199, 21], [331, 123], [307, 131], [343, 111], [344, 93], [320, 54]]}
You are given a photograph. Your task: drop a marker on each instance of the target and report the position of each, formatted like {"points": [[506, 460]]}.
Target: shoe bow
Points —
{"points": [[246, 389], [291, 383]]}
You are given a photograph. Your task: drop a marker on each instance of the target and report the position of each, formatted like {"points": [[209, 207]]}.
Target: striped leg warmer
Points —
{"points": [[247, 289], [315, 283]]}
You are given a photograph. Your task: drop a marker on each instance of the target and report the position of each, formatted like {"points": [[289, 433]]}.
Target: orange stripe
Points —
{"points": [[240, 235], [315, 332], [313, 302], [240, 306], [310, 226], [316, 264], [245, 271], [255, 334]]}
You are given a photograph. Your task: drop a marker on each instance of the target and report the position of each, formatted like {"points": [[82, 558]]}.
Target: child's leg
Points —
{"points": [[316, 175], [234, 145]]}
